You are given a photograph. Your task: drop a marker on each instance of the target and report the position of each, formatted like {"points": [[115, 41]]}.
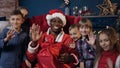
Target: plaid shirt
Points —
{"points": [[86, 52]]}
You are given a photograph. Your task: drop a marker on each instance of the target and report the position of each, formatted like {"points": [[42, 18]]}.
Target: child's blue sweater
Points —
{"points": [[13, 51]]}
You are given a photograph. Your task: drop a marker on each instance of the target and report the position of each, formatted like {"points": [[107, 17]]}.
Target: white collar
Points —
{"points": [[59, 36]]}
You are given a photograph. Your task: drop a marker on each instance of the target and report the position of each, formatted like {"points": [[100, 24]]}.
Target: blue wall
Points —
{"points": [[38, 7]]}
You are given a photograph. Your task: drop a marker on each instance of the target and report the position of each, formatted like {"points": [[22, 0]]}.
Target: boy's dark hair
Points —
{"points": [[73, 26], [16, 12]]}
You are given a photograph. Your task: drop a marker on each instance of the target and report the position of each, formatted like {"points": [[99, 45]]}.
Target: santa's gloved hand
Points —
{"points": [[66, 58]]}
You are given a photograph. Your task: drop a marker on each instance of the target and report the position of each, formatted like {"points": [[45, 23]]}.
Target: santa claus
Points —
{"points": [[52, 49]]}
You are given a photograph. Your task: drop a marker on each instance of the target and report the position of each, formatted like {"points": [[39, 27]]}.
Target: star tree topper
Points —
{"points": [[107, 8]]}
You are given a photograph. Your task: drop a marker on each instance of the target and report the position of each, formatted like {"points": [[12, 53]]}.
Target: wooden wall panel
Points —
{"points": [[6, 6]]}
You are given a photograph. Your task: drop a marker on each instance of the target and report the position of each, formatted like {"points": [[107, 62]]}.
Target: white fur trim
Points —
{"points": [[48, 31], [117, 65], [31, 49], [49, 17], [59, 37], [60, 15], [77, 61]]}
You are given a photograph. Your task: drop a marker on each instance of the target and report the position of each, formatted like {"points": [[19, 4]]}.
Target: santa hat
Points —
{"points": [[56, 13]]}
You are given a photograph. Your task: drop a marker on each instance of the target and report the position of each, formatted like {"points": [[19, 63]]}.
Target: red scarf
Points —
{"points": [[105, 55]]}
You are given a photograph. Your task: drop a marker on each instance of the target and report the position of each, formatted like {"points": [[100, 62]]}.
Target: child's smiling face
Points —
{"points": [[16, 21], [104, 42], [74, 33], [84, 30]]}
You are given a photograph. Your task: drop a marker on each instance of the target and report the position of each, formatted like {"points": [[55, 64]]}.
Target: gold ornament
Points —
{"points": [[107, 8]]}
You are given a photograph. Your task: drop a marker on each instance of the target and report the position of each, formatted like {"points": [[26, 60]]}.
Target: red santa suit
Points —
{"points": [[47, 52]]}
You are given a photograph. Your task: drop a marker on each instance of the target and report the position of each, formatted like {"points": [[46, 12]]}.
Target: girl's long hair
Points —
{"points": [[114, 41]]}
